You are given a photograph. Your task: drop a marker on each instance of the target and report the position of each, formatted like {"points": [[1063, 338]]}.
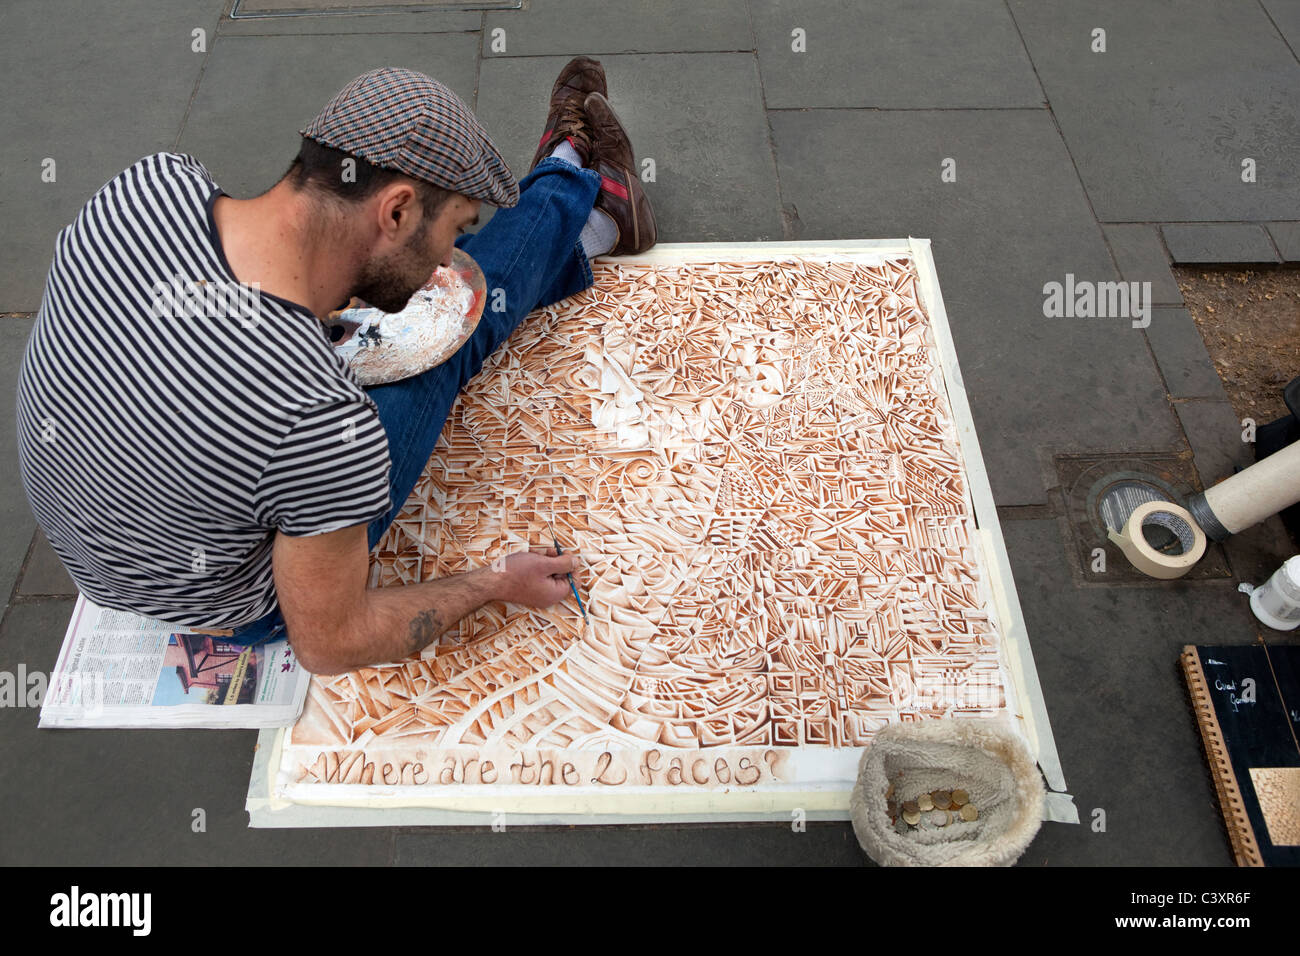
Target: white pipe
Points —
{"points": [[1250, 496]]}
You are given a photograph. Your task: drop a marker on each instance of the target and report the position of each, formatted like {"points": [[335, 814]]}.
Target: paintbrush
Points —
{"points": [[572, 587]]}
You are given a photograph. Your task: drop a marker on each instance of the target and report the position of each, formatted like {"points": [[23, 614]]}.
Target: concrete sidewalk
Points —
{"points": [[998, 129]]}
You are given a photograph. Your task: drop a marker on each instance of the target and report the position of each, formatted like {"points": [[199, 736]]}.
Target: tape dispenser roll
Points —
{"points": [[1174, 519]]}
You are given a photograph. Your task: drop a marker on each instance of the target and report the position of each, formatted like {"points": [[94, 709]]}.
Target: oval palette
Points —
{"points": [[440, 317]]}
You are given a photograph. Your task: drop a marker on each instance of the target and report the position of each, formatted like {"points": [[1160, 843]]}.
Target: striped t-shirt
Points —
{"points": [[169, 422]]}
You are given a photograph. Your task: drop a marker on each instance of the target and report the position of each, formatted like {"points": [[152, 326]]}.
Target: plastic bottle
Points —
{"points": [[1277, 602]]}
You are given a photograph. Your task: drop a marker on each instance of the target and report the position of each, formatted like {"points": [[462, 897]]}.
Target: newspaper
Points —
{"points": [[118, 669]]}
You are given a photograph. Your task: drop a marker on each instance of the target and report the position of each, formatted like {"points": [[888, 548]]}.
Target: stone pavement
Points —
{"points": [[1024, 142]]}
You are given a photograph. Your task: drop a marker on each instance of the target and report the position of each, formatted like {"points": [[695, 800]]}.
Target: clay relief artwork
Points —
{"points": [[756, 463]]}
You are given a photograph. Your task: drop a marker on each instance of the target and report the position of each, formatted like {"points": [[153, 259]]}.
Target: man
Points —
{"points": [[220, 467]]}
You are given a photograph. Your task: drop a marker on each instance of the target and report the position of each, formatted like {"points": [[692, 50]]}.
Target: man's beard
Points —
{"points": [[388, 284]]}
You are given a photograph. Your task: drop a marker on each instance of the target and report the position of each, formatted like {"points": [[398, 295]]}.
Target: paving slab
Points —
{"points": [[1286, 236], [715, 179], [1286, 17], [1140, 255], [892, 56], [258, 91], [820, 844], [443, 21], [1108, 662], [92, 87], [325, 9], [1214, 431], [15, 512], [1218, 242], [1161, 122], [598, 27], [1015, 220], [127, 797], [1180, 352], [1255, 553], [45, 573]]}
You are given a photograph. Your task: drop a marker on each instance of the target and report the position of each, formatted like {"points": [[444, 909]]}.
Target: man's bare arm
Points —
{"points": [[336, 623]]}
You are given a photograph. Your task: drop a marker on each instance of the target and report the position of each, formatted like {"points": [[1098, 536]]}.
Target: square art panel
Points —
{"points": [[757, 463]]}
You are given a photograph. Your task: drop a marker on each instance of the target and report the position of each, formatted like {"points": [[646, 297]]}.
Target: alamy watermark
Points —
{"points": [[1084, 299], [181, 298], [951, 691], [77, 694], [77, 908]]}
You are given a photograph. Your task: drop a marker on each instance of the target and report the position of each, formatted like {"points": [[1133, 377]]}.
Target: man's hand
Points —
{"points": [[336, 624], [535, 580]]}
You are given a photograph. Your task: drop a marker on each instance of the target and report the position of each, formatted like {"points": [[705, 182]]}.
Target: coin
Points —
{"points": [[900, 826], [910, 807], [912, 816], [942, 799], [960, 798], [924, 803], [939, 818], [969, 813]]}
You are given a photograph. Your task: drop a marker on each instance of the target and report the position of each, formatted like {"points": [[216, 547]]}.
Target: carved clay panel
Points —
{"points": [[757, 465]]}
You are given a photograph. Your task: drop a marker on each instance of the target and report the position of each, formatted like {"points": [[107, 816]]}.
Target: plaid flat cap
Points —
{"points": [[404, 120]]}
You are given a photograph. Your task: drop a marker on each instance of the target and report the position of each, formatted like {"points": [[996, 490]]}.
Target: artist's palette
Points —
{"points": [[438, 320]]}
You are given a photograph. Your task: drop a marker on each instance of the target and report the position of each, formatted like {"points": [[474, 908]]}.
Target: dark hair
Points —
{"points": [[319, 168]]}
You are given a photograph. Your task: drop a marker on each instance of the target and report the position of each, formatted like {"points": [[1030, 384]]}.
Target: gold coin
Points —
{"points": [[912, 816], [960, 798], [924, 803], [942, 799], [910, 807], [890, 792], [969, 813]]}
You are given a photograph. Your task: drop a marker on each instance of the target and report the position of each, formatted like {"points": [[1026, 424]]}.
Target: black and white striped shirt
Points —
{"points": [[169, 422]]}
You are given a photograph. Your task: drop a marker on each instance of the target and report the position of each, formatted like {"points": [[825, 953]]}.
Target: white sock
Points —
{"points": [[599, 234], [567, 153]]}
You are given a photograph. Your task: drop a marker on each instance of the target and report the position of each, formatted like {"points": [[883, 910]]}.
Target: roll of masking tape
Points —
{"points": [[1174, 519]]}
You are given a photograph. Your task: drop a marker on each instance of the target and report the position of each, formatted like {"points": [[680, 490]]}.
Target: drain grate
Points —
{"points": [[1101, 491], [248, 9], [1117, 496]]}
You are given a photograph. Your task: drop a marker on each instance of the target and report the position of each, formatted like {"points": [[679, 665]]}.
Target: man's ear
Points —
{"points": [[398, 212]]}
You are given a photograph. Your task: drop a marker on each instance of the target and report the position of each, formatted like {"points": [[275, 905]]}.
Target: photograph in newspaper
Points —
{"points": [[118, 669]]}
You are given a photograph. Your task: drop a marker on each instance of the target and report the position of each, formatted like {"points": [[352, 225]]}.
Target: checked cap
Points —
{"points": [[404, 120]]}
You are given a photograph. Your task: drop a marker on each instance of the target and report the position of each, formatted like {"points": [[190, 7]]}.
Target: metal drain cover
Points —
{"points": [[1101, 491], [1116, 496]]}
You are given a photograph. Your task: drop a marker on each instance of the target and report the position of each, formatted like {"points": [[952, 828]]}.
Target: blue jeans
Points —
{"points": [[531, 252]]}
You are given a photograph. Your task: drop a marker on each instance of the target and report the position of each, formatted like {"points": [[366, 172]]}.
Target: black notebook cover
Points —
{"points": [[1247, 703]]}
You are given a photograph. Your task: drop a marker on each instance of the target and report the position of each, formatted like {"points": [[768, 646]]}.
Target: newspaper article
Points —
{"points": [[118, 669]]}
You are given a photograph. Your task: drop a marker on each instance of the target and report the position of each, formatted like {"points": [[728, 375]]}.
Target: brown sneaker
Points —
{"points": [[566, 120], [621, 195]]}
